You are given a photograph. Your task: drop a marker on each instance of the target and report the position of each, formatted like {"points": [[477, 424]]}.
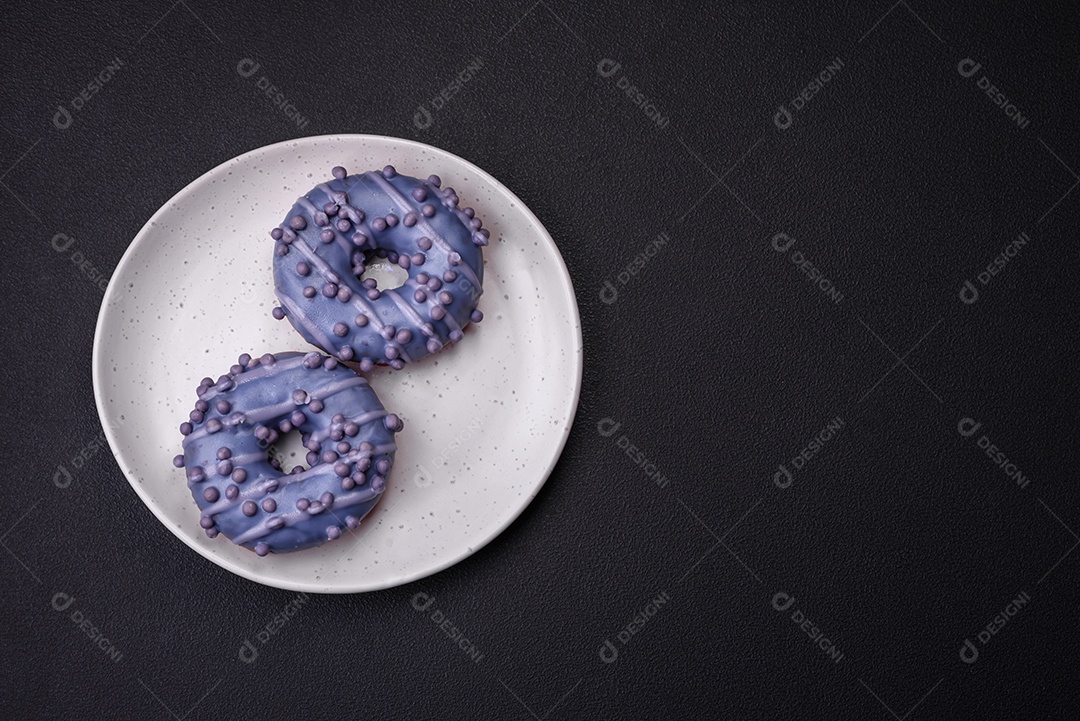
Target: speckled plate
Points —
{"points": [[485, 420]]}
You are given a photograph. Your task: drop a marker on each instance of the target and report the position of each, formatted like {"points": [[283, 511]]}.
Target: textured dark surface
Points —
{"points": [[899, 180]]}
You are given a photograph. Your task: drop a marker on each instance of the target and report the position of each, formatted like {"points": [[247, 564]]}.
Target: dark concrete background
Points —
{"points": [[795, 270]]}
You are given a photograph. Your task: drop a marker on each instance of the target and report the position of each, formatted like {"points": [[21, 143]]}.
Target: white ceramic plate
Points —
{"points": [[485, 420]]}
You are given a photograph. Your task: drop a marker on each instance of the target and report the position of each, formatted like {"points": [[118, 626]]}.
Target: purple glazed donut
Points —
{"points": [[322, 245], [244, 494]]}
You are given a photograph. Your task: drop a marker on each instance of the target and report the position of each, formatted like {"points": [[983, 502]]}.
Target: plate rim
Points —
{"points": [[312, 587]]}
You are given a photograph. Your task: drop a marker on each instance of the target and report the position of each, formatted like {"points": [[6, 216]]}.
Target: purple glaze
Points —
{"points": [[245, 496], [409, 221]]}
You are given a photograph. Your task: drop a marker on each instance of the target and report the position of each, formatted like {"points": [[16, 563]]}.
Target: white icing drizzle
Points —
{"points": [[422, 223]]}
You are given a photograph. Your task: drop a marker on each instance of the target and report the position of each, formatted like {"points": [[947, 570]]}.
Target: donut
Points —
{"points": [[244, 494], [321, 247]]}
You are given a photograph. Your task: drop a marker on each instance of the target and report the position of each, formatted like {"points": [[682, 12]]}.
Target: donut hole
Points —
{"points": [[289, 451], [388, 275]]}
